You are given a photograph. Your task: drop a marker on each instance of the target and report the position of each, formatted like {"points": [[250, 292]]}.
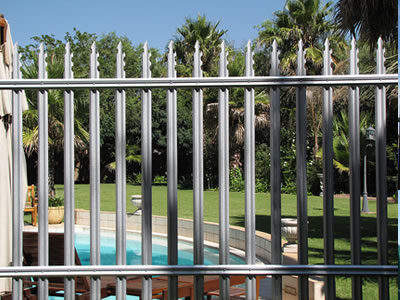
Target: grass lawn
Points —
{"points": [[315, 209]]}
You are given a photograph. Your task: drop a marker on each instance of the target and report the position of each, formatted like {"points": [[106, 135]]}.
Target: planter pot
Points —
{"points": [[137, 201], [56, 214], [289, 229]]}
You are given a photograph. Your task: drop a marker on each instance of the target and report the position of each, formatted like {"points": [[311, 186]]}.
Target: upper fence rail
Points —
{"points": [[196, 82], [201, 82]]}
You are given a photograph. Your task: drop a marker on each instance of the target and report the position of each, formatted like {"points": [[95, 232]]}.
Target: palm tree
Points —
{"points": [[370, 19], [207, 34], [341, 139], [309, 21], [55, 118], [236, 67]]}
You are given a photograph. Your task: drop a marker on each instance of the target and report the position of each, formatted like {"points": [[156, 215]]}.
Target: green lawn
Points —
{"points": [[211, 208]]}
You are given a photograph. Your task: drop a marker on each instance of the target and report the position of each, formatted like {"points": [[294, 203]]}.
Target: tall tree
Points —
{"points": [[309, 21], [55, 69], [207, 34], [370, 19]]}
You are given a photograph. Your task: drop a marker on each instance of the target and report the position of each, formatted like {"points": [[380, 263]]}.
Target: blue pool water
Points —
{"points": [[133, 250], [133, 253]]}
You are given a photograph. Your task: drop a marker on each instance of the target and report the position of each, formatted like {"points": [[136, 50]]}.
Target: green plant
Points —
{"points": [[160, 179], [236, 180], [56, 201], [289, 187], [261, 187]]}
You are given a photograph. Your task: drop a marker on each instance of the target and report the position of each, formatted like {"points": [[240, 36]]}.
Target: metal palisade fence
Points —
{"points": [[249, 82]]}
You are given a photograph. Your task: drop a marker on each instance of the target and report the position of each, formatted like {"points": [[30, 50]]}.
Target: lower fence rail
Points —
{"points": [[202, 270]]}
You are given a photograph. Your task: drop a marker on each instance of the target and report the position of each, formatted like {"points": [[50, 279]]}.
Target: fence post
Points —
{"points": [[43, 175], [327, 152], [381, 171], [172, 173], [223, 171], [94, 152], [354, 164], [275, 128], [249, 176], [17, 152], [69, 168], [120, 174], [301, 170], [146, 176], [198, 205]]}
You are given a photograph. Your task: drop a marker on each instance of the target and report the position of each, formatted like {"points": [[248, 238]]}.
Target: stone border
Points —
{"points": [[185, 229]]}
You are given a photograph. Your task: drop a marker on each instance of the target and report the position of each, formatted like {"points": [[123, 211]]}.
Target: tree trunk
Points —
{"points": [[51, 179]]}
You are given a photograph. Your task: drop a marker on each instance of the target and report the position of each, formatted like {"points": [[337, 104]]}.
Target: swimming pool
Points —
{"points": [[133, 250]]}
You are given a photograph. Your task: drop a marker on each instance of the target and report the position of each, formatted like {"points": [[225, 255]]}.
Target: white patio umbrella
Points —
{"points": [[6, 53]]}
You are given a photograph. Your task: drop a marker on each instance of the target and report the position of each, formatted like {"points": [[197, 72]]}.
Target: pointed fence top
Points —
{"points": [[119, 47], [197, 46], [300, 45], [249, 60], [223, 46], [380, 43], [275, 59], [326, 44], [327, 69], [171, 60], [274, 45], [353, 43], [171, 46], [248, 46], [301, 61]]}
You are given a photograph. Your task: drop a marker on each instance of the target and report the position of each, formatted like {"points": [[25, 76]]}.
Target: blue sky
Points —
{"points": [[154, 21]]}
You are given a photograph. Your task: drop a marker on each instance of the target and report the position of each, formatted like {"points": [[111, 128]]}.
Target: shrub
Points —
{"points": [[56, 201], [236, 181]]}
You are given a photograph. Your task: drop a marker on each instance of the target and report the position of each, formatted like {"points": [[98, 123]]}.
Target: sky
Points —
{"points": [[154, 21]]}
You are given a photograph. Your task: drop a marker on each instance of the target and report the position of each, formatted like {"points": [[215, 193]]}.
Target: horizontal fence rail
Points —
{"points": [[197, 83], [181, 270], [201, 82]]}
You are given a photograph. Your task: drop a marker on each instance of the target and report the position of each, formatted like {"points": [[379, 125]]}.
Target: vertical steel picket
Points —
{"points": [[327, 152], [94, 124], [120, 179], [17, 152], [43, 175], [146, 176], [301, 173], [354, 164], [198, 214], [275, 127], [223, 172], [381, 169], [249, 160], [69, 168], [172, 172]]}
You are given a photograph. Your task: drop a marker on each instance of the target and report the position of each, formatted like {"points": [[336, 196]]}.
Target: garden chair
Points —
{"points": [[31, 205]]}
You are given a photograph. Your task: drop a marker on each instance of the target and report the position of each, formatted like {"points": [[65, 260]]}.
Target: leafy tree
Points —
{"points": [[207, 34], [55, 117], [369, 19], [309, 21]]}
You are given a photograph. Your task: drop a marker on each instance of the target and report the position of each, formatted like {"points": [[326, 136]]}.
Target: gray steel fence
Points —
{"points": [[223, 82]]}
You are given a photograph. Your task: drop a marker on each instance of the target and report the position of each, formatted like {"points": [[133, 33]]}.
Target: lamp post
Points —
{"points": [[370, 137]]}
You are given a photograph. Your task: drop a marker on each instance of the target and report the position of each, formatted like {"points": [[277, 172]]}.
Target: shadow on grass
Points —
{"points": [[342, 235]]}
